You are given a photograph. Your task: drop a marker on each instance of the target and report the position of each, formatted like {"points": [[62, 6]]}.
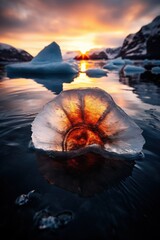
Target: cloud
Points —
{"points": [[60, 18]]}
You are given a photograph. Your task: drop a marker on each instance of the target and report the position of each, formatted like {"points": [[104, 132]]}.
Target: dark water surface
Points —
{"points": [[110, 200]]}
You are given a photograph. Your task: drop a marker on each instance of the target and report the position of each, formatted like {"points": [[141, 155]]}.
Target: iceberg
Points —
{"points": [[86, 119], [133, 69], [48, 61], [96, 72], [155, 70]]}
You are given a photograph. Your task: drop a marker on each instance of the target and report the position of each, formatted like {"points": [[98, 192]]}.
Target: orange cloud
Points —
{"points": [[31, 25]]}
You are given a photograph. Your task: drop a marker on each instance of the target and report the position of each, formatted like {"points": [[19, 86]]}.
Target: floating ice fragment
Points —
{"points": [[22, 200], [85, 118], [133, 69], [26, 198], [156, 70], [111, 66], [45, 220], [96, 72], [155, 62], [118, 61]]}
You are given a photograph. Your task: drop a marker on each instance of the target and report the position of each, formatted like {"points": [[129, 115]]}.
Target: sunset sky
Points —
{"points": [[74, 25]]}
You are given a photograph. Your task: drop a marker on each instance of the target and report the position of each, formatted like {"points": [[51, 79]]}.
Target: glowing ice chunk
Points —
{"points": [[86, 117]]}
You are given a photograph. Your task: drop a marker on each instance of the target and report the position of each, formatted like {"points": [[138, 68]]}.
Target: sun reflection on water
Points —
{"points": [[110, 83]]}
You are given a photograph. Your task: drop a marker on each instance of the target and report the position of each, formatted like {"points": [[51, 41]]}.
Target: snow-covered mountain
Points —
{"points": [[97, 53], [112, 52], [103, 53], [9, 53], [143, 44]]}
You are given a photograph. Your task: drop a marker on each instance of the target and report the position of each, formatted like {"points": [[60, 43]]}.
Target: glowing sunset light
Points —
{"points": [[74, 25]]}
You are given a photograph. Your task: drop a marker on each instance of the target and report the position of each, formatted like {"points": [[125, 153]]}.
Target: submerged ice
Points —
{"points": [[47, 61], [85, 118]]}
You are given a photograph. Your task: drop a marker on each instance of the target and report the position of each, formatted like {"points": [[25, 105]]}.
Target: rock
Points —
{"points": [[144, 43], [9, 53]]}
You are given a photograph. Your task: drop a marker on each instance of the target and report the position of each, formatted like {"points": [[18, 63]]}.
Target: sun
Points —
{"points": [[84, 47], [83, 44]]}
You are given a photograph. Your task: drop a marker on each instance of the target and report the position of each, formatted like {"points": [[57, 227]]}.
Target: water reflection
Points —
{"points": [[2, 71], [145, 85], [86, 174], [53, 83]]}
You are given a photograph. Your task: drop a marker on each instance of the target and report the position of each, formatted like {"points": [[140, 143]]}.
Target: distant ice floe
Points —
{"points": [[111, 66], [96, 72], [155, 62], [128, 61], [118, 61], [117, 64], [85, 118], [133, 69], [155, 70], [48, 61]]}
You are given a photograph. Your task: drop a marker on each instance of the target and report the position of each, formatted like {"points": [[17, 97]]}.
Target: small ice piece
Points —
{"points": [[26, 198], [118, 61], [48, 222], [83, 118], [156, 62], [155, 70], [146, 61], [47, 61], [133, 69], [45, 220], [22, 200], [96, 72], [111, 66]]}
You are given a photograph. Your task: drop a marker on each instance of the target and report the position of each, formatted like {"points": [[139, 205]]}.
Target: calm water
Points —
{"points": [[117, 200]]}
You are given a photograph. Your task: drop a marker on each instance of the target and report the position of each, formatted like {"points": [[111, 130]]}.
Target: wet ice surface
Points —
{"points": [[85, 117], [44, 219], [31, 197], [123, 208], [47, 62]]}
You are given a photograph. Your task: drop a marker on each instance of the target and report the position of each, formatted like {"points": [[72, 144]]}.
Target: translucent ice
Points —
{"points": [[133, 69], [45, 220], [111, 66], [85, 118], [156, 70], [47, 61], [96, 72], [24, 199]]}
